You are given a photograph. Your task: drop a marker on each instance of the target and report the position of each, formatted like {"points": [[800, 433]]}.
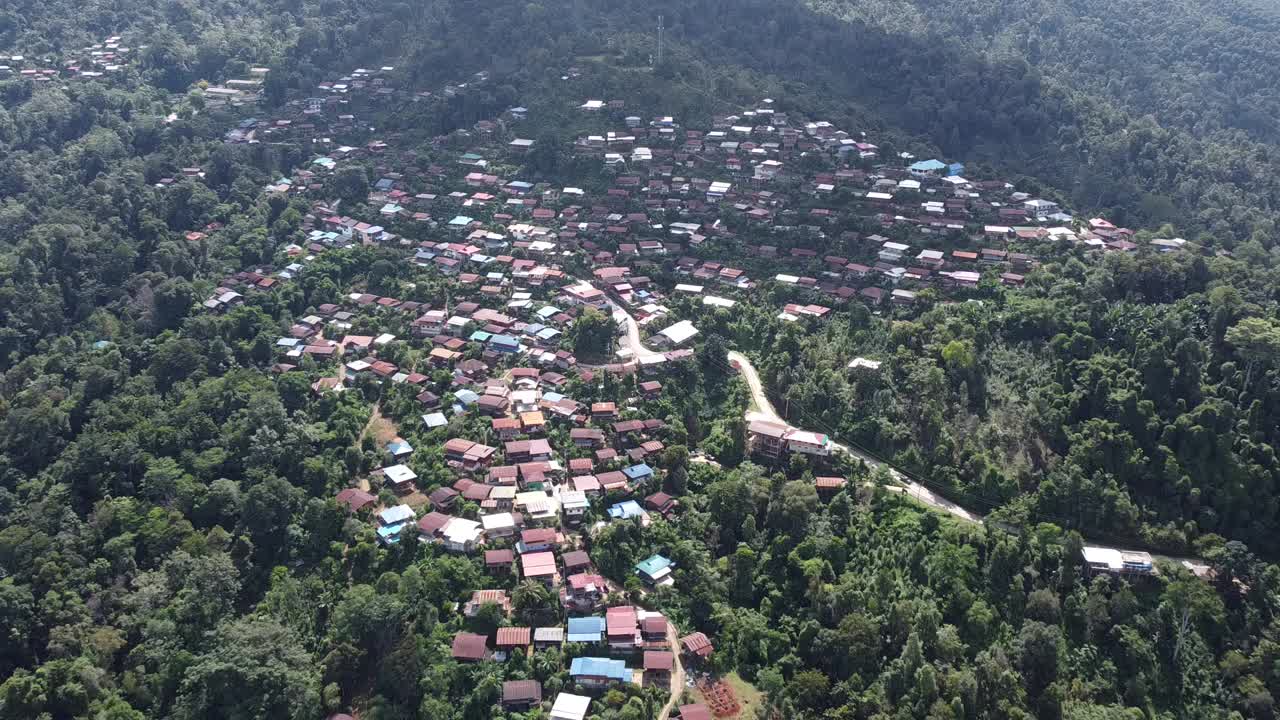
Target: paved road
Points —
{"points": [[766, 412], [677, 674], [630, 339], [631, 335]]}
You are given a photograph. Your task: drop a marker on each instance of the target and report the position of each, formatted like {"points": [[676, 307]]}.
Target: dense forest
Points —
{"points": [[169, 542]]}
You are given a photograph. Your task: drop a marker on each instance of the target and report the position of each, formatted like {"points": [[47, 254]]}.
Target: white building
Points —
{"points": [[570, 707], [395, 515], [679, 334], [462, 535], [399, 475]]}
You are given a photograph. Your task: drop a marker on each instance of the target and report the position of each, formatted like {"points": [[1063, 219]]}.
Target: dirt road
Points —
{"points": [[677, 674]]}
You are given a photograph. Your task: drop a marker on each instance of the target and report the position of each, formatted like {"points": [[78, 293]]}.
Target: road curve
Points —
{"points": [[767, 413]]}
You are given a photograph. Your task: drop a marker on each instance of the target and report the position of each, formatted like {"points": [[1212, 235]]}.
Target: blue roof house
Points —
{"points": [[399, 448], [585, 629], [638, 472], [598, 672], [504, 344], [626, 510], [927, 168], [390, 534]]}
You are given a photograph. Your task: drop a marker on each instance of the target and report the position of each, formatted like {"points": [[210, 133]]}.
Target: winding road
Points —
{"points": [[764, 411], [767, 413]]}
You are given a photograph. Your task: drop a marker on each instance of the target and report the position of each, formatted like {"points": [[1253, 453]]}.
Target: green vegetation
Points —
{"points": [[169, 543]]}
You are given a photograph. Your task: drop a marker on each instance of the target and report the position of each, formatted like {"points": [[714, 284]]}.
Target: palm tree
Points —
{"points": [[530, 598]]}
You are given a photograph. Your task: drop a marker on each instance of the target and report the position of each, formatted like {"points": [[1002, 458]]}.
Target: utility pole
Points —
{"points": [[660, 29]]}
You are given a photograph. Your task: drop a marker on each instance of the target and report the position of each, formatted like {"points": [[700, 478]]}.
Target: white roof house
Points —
{"points": [[397, 514], [574, 501], [461, 534], [570, 707], [399, 474], [498, 522], [679, 333]]}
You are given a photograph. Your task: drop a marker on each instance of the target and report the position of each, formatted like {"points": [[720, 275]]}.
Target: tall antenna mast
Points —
{"points": [[660, 28]]}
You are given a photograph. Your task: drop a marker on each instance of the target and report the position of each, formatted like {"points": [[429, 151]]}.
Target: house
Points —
{"points": [[660, 502], [596, 673], [1117, 562], [510, 638], [1040, 209], [480, 598], [677, 334], [548, 637], [395, 515], [927, 168], [469, 647], [656, 571], [653, 630], [810, 443], [828, 486], [399, 448], [355, 499], [627, 510], [399, 477], [587, 437], [892, 252], [638, 473], [498, 525], [612, 480], [585, 294], [586, 630], [431, 525], [587, 485], [524, 451], [570, 707], [507, 428], [576, 561], [766, 438], [657, 666], [902, 297], [622, 627], [499, 561], [537, 540], [540, 566], [604, 410], [521, 695], [574, 505], [462, 535], [443, 499], [697, 645], [584, 591]]}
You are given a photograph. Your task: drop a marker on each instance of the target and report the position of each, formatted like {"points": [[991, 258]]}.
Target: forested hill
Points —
{"points": [[225, 317], [1199, 66], [1149, 112]]}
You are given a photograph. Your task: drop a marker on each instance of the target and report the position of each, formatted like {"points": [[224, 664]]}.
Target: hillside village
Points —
{"points": [[513, 452]]}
